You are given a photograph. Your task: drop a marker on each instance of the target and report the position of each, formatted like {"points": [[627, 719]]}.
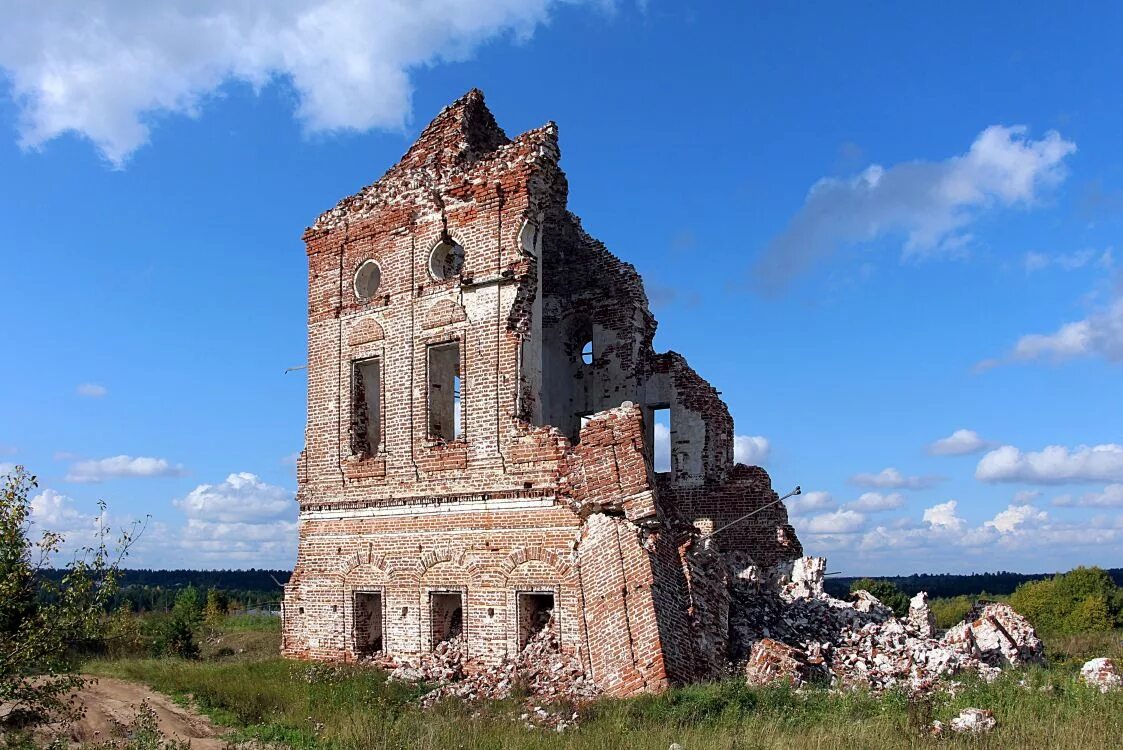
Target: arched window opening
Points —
{"points": [[587, 352]]}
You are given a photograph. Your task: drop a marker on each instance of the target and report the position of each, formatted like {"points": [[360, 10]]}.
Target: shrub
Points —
{"points": [[1083, 600]]}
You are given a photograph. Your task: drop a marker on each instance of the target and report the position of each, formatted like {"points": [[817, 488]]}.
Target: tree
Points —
{"points": [[43, 619], [886, 593], [179, 629], [218, 604]]}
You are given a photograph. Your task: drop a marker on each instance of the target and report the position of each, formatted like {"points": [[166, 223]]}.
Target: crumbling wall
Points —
{"points": [[502, 444]]}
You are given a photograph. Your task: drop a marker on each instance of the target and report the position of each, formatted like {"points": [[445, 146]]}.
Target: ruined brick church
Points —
{"points": [[480, 445]]}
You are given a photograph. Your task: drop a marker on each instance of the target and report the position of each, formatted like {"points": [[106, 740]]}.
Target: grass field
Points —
{"points": [[301, 705]]}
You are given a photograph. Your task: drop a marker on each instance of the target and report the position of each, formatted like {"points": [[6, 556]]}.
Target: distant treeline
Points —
{"points": [[155, 590], [943, 585]]}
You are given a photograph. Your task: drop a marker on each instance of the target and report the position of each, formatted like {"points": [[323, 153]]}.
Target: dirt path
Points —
{"points": [[110, 703]]}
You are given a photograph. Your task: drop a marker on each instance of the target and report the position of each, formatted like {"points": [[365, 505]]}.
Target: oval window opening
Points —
{"points": [[367, 280], [587, 352], [446, 260]]}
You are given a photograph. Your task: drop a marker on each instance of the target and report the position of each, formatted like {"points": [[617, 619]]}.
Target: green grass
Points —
{"points": [[318, 706]]}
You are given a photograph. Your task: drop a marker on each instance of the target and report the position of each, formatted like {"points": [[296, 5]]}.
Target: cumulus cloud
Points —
{"points": [[874, 502], [241, 519], [120, 467], [751, 449], [242, 498], [930, 204], [56, 512], [892, 479], [809, 501], [106, 71], [1111, 497], [1017, 527], [943, 516], [959, 443], [1098, 335], [1015, 517], [92, 390], [1055, 464], [840, 521]]}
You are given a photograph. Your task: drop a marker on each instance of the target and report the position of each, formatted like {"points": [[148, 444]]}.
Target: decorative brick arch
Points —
{"points": [[365, 557], [443, 313], [366, 331], [460, 558], [523, 555]]}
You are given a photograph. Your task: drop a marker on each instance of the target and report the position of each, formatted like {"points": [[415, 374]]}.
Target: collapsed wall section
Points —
{"points": [[480, 440]]}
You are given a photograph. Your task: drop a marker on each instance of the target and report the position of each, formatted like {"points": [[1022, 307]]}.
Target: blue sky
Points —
{"points": [[870, 227]]}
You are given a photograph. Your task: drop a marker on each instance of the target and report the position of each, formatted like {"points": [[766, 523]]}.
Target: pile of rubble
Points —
{"points": [[1103, 674], [551, 682], [541, 671], [790, 629], [445, 664]]}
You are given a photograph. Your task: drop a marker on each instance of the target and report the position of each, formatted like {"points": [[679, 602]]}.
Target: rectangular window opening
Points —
{"points": [[446, 616], [583, 418], [661, 439], [445, 392], [368, 622], [366, 406], [536, 617]]}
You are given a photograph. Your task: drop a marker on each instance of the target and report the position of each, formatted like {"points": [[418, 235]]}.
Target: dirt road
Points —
{"points": [[110, 703]]}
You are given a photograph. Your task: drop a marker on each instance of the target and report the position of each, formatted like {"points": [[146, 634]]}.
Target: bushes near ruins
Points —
{"points": [[1083, 600]]}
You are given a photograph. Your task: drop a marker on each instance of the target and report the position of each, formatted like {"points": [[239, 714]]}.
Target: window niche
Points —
{"points": [[368, 622], [366, 406], [445, 405], [368, 278], [446, 615], [446, 259]]}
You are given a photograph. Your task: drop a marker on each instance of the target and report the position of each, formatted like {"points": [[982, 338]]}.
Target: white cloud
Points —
{"points": [[874, 502], [1073, 261], [959, 443], [1100, 334], [119, 467], [1025, 497], [241, 519], [1055, 464], [242, 498], [1111, 497], [105, 71], [56, 512], [892, 479], [943, 516], [752, 450], [930, 203], [1017, 527], [809, 501], [92, 390], [6, 468], [839, 522], [1015, 517]]}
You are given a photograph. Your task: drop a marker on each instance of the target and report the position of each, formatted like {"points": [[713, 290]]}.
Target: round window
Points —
{"points": [[446, 260], [367, 280]]}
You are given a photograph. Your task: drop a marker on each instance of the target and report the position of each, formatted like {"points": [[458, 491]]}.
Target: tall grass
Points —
{"points": [[317, 706]]}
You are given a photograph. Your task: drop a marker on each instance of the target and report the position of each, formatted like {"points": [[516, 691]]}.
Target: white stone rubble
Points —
{"points": [[973, 721], [1103, 674], [860, 643]]}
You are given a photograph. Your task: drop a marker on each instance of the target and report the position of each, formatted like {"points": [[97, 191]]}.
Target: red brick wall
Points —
{"points": [[514, 505]]}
